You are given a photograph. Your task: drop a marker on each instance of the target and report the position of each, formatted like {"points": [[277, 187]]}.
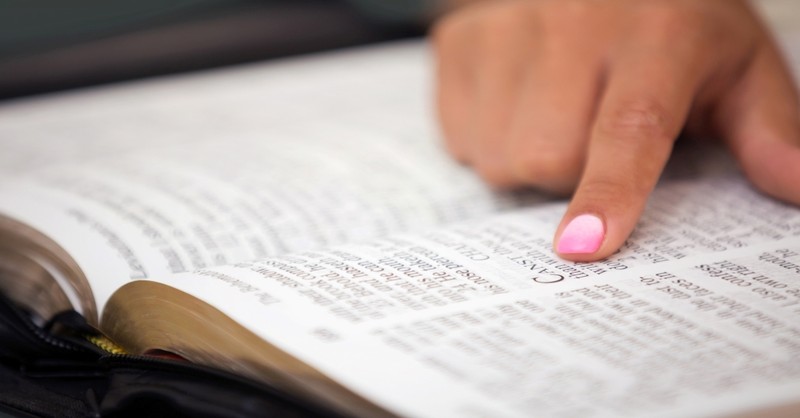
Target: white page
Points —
{"points": [[698, 315], [159, 177], [178, 174], [187, 129]]}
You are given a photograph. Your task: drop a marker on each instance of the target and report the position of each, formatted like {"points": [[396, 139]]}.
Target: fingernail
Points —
{"points": [[583, 235]]}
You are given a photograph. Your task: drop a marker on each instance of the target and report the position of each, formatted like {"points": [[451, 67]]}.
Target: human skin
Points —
{"points": [[588, 97]]}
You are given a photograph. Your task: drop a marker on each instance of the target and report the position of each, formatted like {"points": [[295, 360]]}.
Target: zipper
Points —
{"points": [[205, 373], [104, 343], [93, 355], [35, 334]]}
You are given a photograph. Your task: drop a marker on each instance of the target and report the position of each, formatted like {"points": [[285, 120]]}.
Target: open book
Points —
{"points": [[298, 223]]}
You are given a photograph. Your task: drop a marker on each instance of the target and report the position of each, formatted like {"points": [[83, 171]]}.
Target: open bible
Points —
{"points": [[298, 223]]}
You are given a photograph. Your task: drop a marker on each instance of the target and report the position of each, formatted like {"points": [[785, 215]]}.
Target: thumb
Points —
{"points": [[760, 121]]}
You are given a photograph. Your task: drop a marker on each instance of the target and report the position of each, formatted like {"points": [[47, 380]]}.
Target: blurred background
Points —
{"points": [[49, 45]]}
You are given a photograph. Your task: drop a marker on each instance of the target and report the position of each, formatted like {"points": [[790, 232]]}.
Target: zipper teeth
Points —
{"points": [[185, 365], [43, 336], [105, 344]]}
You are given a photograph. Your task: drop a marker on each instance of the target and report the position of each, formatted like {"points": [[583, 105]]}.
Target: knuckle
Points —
{"points": [[492, 40], [612, 190], [507, 15], [566, 10], [556, 15], [448, 29], [503, 25], [640, 118], [665, 15], [546, 167], [588, 15]]}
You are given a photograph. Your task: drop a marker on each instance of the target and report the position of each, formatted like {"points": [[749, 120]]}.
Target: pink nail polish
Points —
{"points": [[583, 235]]}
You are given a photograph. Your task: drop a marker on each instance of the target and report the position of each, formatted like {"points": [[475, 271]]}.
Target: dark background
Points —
{"points": [[49, 45]]}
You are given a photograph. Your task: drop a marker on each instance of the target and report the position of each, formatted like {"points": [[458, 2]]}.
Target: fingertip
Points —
{"points": [[588, 237], [582, 235], [596, 226], [774, 167], [456, 148], [495, 173]]}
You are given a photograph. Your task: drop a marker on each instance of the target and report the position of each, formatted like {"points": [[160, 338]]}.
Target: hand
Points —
{"points": [[589, 96]]}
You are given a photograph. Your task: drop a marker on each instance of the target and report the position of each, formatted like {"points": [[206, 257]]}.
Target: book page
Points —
{"points": [[699, 313], [178, 174], [156, 177]]}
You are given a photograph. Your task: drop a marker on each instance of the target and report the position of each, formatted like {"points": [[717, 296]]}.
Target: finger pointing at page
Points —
{"points": [[605, 88], [649, 92]]}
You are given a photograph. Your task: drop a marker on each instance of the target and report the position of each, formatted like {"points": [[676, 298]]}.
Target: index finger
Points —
{"points": [[646, 103]]}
